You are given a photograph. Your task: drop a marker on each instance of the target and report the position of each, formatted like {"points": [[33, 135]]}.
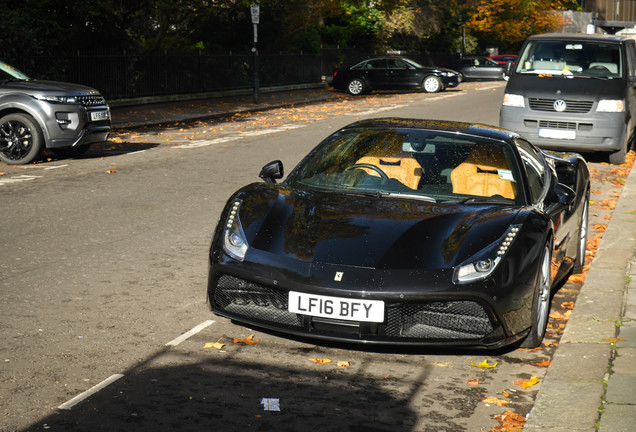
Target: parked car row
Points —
{"points": [[400, 73]]}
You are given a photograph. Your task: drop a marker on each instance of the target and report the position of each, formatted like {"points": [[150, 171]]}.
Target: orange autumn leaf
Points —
{"points": [[473, 382], [577, 278], [510, 422], [247, 341], [542, 363], [567, 305], [320, 361], [529, 349], [494, 401], [561, 317], [505, 393], [614, 340], [527, 383], [343, 364], [600, 227]]}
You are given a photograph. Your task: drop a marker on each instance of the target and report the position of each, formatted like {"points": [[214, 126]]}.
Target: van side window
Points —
{"points": [[533, 166], [631, 59]]}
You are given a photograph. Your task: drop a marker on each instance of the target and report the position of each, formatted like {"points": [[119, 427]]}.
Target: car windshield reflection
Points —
{"points": [[412, 164]]}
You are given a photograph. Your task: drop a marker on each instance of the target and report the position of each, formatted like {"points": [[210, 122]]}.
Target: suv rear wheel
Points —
{"points": [[20, 139]]}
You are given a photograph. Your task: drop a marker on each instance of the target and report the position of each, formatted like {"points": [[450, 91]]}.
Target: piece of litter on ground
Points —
{"points": [[270, 404]]}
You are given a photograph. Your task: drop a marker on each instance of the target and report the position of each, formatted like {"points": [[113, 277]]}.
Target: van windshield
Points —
{"points": [[571, 58]]}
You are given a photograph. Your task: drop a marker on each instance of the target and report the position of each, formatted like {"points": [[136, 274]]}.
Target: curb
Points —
{"points": [[573, 391]]}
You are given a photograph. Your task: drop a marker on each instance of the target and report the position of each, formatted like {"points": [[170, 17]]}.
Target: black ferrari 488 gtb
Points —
{"points": [[408, 232]]}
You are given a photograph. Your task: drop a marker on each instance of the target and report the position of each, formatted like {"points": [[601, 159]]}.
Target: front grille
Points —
{"points": [[452, 320], [439, 320], [557, 124], [572, 106], [91, 100], [254, 301]]}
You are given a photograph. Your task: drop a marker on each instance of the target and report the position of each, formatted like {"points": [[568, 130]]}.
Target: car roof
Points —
{"points": [[475, 129], [581, 37]]}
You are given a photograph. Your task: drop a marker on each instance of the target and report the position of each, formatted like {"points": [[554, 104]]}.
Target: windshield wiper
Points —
{"points": [[484, 200], [407, 195]]}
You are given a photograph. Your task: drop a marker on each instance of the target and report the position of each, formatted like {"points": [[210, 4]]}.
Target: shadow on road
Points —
{"points": [[211, 392]]}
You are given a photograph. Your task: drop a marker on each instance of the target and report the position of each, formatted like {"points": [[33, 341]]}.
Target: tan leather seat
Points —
{"points": [[479, 174], [403, 167]]}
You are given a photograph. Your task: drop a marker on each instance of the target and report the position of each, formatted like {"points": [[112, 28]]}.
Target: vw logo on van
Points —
{"points": [[560, 105]]}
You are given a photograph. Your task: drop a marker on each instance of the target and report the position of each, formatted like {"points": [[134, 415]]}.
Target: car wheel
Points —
{"points": [[582, 246], [540, 302], [356, 87], [504, 76], [71, 152], [461, 77], [432, 84], [20, 139]]}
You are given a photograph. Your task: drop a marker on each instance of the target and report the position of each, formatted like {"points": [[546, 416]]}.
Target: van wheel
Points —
{"points": [[21, 139]]}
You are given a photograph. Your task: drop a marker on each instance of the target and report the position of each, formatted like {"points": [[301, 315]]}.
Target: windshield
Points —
{"points": [[571, 58], [9, 72], [411, 163]]}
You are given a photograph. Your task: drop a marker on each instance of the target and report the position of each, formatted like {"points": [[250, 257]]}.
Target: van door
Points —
{"points": [[631, 85]]}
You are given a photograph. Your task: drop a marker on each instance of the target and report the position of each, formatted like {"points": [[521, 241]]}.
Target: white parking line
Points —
{"points": [[80, 397], [376, 110], [18, 179], [186, 335]]}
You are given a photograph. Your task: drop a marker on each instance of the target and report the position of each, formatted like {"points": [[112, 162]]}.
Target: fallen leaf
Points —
{"points": [[473, 382], [527, 383], [567, 305], [321, 361], [494, 401], [343, 364], [217, 345], [247, 341], [542, 363], [484, 364], [111, 172], [614, 340], [510, 421], [561, 317], [505, 393]]}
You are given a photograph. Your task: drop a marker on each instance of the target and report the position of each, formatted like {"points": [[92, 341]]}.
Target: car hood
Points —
{"points": [[559, 86], [370, 232], [29, 86]]}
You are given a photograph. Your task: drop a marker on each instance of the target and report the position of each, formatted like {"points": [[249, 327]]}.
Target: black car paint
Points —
{"points": [[300, 238]]}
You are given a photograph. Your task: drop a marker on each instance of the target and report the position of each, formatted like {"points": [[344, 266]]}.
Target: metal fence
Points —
{"points": [[127, 75]]}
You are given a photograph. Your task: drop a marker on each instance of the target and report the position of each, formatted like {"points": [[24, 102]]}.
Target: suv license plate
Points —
{"points": [[336, 307], [99, 115], [557, 133]]}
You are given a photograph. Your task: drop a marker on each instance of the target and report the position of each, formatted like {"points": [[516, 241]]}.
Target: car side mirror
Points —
{"points": [[272, 171], [563, 195]]}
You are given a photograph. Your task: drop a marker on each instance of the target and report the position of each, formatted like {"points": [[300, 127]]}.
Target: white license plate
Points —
{"points": [[336, 307], [99, 115], [557, 133]]}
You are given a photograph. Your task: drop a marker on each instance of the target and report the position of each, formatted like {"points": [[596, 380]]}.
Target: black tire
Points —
{"points": [[357, 87], [540, 301], [21, 139], [462, 77], [432, 84], [583, 228], [71, 152]]}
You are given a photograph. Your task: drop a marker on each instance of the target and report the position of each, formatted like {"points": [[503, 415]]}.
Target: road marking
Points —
{"points": [[206, 143], [282, 128], [376, 110], [80, 397], [18, 179], [186, 335]]}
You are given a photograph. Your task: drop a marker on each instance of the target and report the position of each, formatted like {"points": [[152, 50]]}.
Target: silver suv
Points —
{"points": [[34, 115]]}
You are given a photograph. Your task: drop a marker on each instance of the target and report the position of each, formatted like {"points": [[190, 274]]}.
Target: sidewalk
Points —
{"points": [[136, 116], [590, 376]]}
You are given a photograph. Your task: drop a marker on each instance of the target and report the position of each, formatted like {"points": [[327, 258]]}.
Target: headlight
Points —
{"points": [[57, 99], [484, 263], [449, 74], [514, 100], [610, 105], [234, 242]]}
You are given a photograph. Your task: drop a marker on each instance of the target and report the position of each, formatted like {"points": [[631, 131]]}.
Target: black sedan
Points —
{"points": [[407, 232], [475, 67], [393, 73]]}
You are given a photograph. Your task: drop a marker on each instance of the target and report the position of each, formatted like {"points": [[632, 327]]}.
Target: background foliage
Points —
{"points": [[215, 26]]}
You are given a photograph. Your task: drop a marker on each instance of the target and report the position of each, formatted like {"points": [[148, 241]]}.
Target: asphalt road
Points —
{"points": [[103, 277]]}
